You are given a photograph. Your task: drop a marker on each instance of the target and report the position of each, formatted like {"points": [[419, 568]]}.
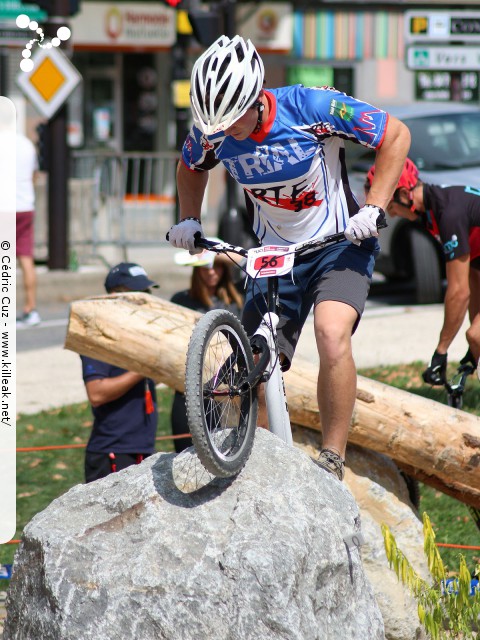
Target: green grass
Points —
{"points": [[450, 518], [42, 476]]}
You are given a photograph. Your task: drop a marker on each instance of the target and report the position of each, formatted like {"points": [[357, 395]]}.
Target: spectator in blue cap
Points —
{"points": [[128, 276], [124, 403]]}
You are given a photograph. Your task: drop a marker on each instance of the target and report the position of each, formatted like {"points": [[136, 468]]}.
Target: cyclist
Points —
{"points": [[285, 148], [452, 216]]}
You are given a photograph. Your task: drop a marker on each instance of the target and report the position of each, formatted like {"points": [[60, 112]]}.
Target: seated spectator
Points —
{"points": [[211, 287]]}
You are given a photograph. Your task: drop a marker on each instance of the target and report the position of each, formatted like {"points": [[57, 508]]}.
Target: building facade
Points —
{"points": [[125, 53]]}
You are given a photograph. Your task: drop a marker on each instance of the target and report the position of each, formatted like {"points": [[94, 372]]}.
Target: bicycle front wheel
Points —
{"points": [[221, 411]]}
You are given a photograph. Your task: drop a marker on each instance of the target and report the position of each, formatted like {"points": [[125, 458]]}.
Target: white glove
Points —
{"points": [[363, 224], [182, 235]]}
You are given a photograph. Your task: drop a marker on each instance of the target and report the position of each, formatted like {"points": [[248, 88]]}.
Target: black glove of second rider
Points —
{"points": [[436, 370]]}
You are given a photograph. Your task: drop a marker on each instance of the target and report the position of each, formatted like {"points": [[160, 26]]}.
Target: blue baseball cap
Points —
{"points": [[129, 275]]}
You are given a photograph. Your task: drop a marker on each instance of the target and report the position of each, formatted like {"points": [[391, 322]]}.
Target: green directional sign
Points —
{"points": [[422, 58], [10, 9]]}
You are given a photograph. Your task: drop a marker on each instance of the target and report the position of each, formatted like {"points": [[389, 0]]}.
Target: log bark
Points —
{"points": [[435, 443]]}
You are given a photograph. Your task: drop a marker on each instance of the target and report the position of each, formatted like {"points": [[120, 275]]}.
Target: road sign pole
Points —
{"points": [[58, 201], [58, 204], [3, 71]]}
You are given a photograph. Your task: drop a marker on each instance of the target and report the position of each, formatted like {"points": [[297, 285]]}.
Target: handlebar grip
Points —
{"points": [[197, 239], [197, 236]]}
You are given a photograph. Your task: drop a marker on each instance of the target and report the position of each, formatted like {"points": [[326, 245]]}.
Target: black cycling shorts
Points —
{"points": [[342, 272]]}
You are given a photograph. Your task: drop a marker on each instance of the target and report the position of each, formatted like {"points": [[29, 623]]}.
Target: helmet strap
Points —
{"points": [[409, 206], [260, 108]]}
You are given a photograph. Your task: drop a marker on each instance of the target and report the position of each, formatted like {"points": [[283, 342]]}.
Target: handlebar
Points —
{"points": [[298, 249]]}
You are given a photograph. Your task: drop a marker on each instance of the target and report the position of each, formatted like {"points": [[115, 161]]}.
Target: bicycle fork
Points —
{"points": [[275, 397]]}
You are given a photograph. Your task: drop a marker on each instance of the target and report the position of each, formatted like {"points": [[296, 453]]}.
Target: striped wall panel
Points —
{"points": [[341, 35]]}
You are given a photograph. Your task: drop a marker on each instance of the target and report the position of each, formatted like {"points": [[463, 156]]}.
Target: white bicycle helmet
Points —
{"points": [[226, 81]]}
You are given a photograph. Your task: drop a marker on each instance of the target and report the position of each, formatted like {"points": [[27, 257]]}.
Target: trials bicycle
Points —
{"points": [[455, 388], [456, 385], [224, 367]]}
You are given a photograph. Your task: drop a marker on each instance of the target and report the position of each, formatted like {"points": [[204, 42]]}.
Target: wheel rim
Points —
{"points": [[226, 409]]}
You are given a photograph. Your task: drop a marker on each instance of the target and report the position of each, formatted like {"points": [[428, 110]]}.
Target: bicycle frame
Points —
{"points": [[456, 386], [270, 373], [275, 396]]}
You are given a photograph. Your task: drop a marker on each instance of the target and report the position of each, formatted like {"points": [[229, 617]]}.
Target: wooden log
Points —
{"points": [[135, 331], [433, 442]]}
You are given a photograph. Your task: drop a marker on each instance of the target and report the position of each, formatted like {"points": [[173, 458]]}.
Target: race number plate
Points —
{"points": [[268, 261]]}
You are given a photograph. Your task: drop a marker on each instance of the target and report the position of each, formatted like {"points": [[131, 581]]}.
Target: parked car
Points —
{"points": [[446, 149]]}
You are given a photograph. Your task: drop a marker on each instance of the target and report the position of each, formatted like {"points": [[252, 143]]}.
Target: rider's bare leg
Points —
{"points": [[337, 378]]}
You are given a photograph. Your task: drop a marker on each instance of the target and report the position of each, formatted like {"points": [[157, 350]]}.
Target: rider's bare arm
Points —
{"points": [[191, 187], [389, 162], [456, 300]]}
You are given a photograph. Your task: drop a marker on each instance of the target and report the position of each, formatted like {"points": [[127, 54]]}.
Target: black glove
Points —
{"points": [[436, 370], [469, 359]]}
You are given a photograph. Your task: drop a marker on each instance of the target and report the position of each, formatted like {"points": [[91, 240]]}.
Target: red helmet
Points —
{"points": [[408, 178]]}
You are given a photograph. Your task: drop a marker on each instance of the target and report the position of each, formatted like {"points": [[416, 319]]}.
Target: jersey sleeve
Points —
{"points": [[344, 116], [198, 153]]}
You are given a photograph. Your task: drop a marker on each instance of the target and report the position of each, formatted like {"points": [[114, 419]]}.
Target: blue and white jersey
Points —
{"points": [[294, 170]]}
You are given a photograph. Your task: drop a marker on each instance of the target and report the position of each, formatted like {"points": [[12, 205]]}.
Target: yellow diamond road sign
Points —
{"points": [[47, 79], [50, 82]]}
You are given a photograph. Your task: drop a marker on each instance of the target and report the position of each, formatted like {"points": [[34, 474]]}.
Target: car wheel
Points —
{"points": [[426, 268]]}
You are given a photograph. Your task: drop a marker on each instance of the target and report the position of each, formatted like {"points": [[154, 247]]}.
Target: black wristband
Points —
{"points": [[191, 218], [375, 206]]}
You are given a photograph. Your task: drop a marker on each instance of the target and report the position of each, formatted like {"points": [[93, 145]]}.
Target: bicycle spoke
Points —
{"points": [[222, 418], [222, 404]]}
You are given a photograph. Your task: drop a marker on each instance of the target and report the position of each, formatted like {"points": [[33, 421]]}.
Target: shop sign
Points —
{"points": [[269, 25], [447, 85], [50, 82], [444, 58], [10, 9], [442, 26], [124, 26]]}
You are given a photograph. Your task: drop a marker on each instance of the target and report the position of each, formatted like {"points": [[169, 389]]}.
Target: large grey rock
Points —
{"points": [[161, 551], [382, 497]]}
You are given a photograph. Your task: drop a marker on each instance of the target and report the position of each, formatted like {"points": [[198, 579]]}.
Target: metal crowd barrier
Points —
{"points": [[130, 197], [115, 199]]}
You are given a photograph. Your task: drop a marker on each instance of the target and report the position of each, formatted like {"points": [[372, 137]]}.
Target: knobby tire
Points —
{"points": [[221, 418]]}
